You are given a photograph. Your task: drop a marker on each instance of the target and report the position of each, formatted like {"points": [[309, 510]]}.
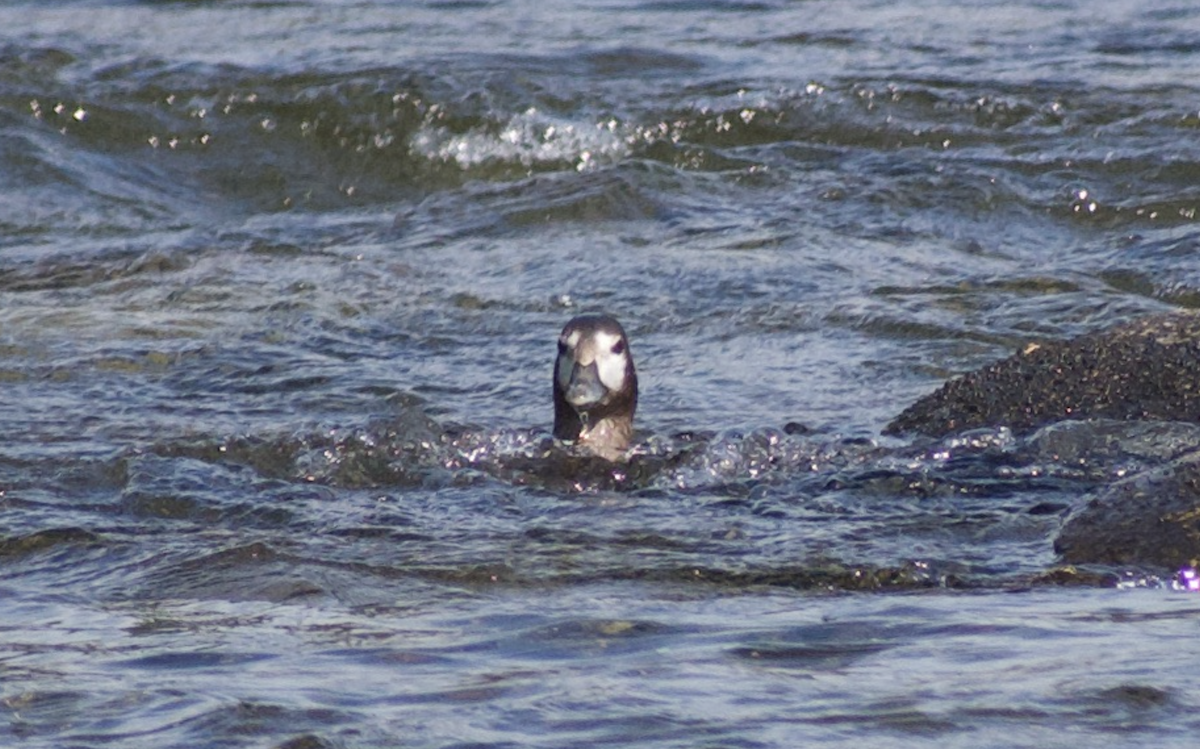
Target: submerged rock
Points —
{"points": [[1148, 369], [1150, 518], [1145, 369]]}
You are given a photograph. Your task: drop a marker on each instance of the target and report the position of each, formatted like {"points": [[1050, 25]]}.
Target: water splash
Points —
{"points": [[531, 138]]}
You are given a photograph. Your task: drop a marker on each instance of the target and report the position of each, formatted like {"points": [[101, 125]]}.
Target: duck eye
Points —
{"points": [[619, 347], [562, 347]]}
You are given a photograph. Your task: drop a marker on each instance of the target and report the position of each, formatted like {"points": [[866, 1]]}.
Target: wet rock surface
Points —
{"points": [[1149, 518], [1146, 369], [1142, 370]]}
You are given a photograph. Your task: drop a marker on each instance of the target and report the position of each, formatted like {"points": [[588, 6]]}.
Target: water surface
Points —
{"points": [[279, 291]]}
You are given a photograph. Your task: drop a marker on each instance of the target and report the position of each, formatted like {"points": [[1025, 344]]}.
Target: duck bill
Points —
{"points": [[585, 388]]}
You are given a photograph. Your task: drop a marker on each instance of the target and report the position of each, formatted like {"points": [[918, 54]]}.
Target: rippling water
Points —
{"points": [[279, 290]]}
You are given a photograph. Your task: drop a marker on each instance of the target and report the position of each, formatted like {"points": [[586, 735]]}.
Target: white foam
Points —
{"points": [[529, 138]]}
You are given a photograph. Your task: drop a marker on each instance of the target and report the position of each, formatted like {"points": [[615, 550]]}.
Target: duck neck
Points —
{"points": [[609, 436], [605, 431]]}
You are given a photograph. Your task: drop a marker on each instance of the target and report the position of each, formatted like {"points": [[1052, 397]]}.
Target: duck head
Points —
{"points": [[595, 386]]}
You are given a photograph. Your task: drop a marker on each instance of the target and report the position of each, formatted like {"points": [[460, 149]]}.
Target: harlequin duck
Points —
{"points": [[595, 386]]}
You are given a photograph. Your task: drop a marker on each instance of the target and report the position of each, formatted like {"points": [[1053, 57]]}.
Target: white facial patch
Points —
{"points": [[610, 366]]}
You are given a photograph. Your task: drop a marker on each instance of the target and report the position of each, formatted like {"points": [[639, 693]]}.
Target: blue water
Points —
{"points": [[280, 286]]}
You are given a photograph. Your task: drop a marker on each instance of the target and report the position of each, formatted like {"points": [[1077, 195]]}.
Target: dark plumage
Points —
{"points": [[595, 386]]}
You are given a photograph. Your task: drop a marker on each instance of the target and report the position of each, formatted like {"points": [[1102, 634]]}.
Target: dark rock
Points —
{"points": [[1147, 369], [1151, 518]]}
